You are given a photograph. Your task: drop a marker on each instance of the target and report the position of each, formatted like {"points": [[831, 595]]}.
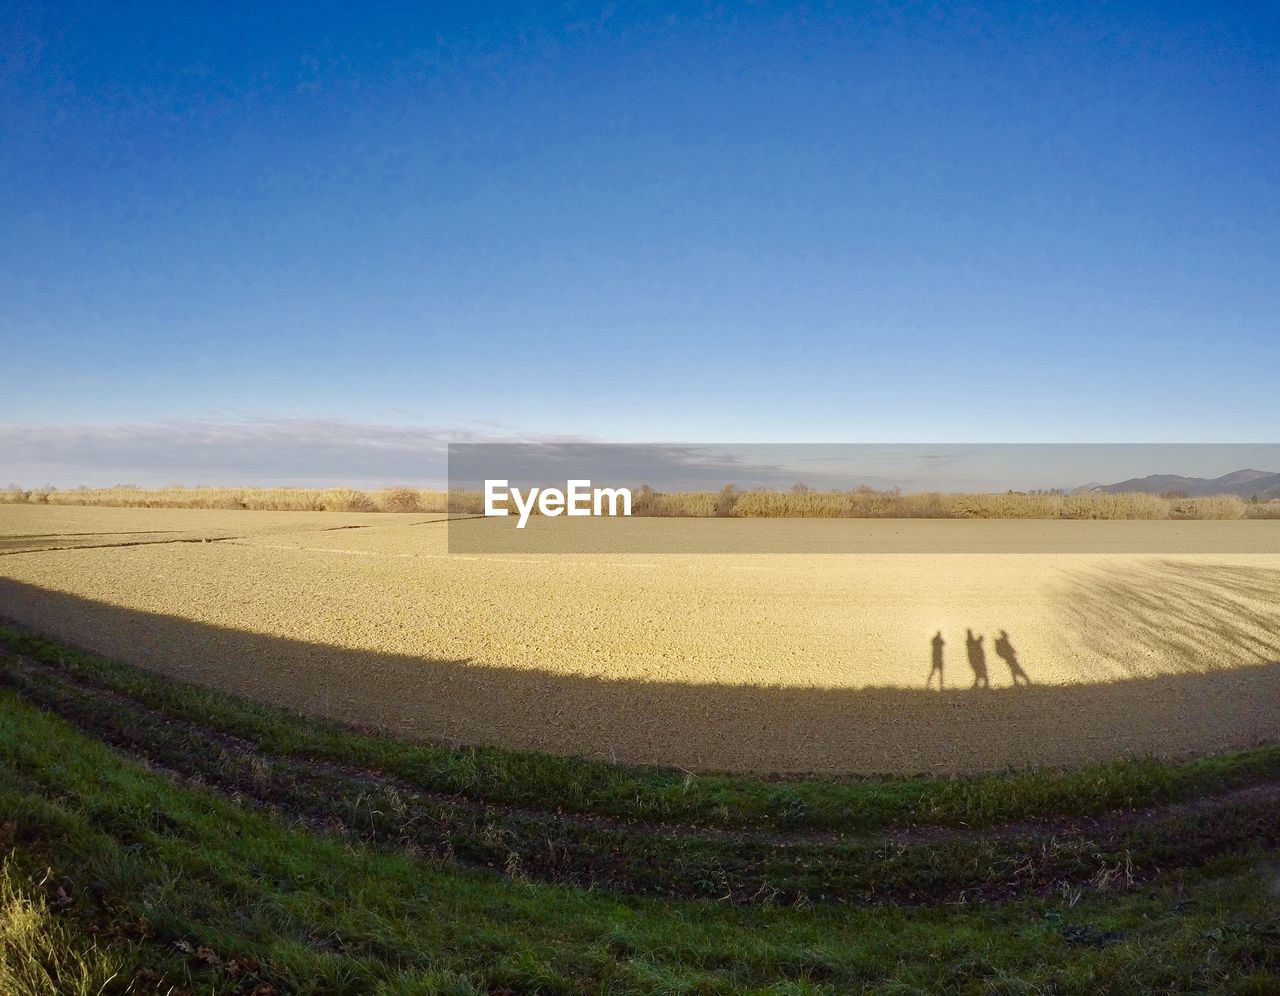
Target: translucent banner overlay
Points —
{"points": [[814, 498]]}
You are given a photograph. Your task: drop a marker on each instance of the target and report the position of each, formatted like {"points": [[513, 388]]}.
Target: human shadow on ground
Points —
{"points": [[1006, 652], [702, 727], [976, 653]]}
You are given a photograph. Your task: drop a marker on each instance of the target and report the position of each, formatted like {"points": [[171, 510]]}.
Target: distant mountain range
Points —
{"points": [[1265, 484]]}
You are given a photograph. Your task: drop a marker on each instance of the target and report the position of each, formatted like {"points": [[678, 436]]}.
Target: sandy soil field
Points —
{"points": [[777, 662]]}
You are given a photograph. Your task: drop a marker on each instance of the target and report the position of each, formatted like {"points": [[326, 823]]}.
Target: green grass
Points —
{"points": [[182, 883], [119, 878], [653, 859], [578, 785]]}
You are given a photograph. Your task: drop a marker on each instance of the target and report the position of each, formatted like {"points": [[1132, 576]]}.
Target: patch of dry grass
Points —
{"points": [[39, 952], [695, 504]]}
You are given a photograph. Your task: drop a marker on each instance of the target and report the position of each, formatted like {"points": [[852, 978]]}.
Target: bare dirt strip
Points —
{"points": [[774, 663]]}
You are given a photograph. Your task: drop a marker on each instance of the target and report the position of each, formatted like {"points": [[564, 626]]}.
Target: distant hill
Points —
{"points": [[1245, 483]]}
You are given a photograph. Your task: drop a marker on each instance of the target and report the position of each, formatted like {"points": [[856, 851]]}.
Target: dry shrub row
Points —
{"points": [[678, 504], [865, 503], [256, 499], [800, 502]]}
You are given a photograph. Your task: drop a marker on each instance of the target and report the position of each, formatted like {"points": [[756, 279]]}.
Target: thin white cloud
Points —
{"points": [[320, 452], [313, 452]]}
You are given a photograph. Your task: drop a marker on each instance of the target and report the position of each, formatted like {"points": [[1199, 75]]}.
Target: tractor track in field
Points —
{"points": [[1048, 827], [123, 544], [1262, 791], [120, 545], [552, 845]]}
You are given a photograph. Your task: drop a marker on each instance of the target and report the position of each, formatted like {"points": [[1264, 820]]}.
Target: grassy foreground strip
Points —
{"points": [[119, 877], [578, 785], [661, 859]]}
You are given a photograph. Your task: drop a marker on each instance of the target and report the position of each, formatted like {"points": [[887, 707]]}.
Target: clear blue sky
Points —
{"points": [[756, 222]]}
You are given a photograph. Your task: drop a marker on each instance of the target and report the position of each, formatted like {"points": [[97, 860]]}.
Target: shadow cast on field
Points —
{"points": [[975, 652], [1174, 615], [700, 727]]}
